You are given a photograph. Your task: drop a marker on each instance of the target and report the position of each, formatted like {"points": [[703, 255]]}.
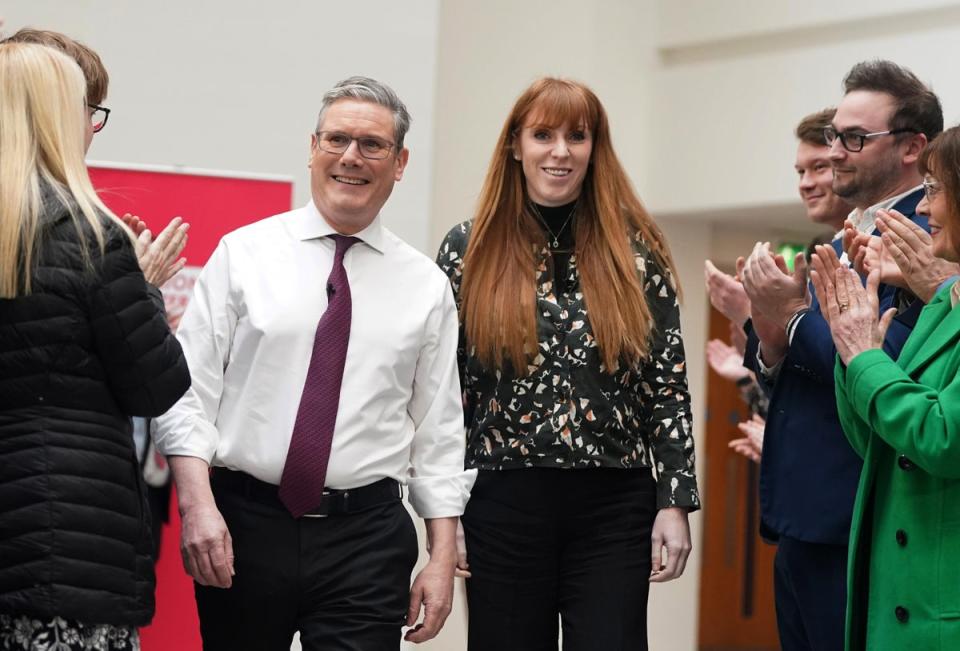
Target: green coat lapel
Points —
{"points": [[937, 328]]}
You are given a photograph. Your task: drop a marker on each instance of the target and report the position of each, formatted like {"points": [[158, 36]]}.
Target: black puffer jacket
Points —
{"points": [[78, 356]]}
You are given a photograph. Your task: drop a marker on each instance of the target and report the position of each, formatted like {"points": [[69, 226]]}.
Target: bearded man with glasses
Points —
{"points": [[809, 472]]}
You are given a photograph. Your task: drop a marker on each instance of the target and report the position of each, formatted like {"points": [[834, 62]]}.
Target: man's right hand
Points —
{"points": [[205, 543], [463, 566], [206, 546]]}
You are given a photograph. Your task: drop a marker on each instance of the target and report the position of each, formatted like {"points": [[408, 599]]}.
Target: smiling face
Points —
{"points": [[554, 160], [866, 177], [942, 223], [348, 189], [816, 186]]}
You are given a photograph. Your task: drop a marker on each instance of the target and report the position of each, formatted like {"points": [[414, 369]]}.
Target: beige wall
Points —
{"points": [[702, 95], [730, 91], [703, 98], [236, 85]]}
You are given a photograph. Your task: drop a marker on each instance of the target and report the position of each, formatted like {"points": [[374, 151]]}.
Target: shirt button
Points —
{"points": [[902, 614], [905, 463], [901, 537]]}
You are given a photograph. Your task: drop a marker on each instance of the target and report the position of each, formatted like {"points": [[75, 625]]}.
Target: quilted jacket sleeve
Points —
{"points": [[143, 362]]}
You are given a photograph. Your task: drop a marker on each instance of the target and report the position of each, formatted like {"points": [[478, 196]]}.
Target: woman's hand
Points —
{"points": [[671, 532], [911, 249], [158, 257], [825, 263], [850, 309]]}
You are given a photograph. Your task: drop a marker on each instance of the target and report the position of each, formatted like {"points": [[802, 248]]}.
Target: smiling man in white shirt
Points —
{"points": [[322, 350]]}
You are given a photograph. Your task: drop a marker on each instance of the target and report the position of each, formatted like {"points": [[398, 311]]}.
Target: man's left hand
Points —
{"points": [[433, 590], [726, 294], [671, 532]]}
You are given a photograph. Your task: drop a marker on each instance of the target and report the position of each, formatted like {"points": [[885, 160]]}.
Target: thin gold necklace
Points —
{"points": [[555, 243]]}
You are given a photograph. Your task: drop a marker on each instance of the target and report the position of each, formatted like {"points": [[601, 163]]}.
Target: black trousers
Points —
{"points": [[573, 543], [810, 590], [343, 581]]}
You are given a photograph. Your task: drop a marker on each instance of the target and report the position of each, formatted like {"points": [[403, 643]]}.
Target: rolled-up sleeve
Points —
{"points": [[438, 483], [205, 333]]}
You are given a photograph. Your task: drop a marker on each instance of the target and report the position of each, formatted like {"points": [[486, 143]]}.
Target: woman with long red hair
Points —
{"points": [[574, 381]]}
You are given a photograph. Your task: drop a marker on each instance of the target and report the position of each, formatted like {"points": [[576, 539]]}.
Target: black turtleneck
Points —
{"points": [[555, 225]]}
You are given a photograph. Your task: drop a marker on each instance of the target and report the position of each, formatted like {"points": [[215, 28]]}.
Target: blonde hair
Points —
{"points": [[43, 120], [498, 305]]}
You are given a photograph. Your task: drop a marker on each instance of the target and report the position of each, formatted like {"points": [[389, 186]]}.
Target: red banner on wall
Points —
{"points": [[214, 203]]}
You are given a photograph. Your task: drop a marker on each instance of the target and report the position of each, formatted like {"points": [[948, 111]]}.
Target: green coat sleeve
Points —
{"points": [[919, 421], [854, 427]]}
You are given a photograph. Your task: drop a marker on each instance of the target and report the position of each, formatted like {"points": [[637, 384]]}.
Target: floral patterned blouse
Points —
{"points": [[568, 412]]}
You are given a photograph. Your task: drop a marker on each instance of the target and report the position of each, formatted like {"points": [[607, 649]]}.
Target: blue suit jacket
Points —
{"points": [[809, 473]]}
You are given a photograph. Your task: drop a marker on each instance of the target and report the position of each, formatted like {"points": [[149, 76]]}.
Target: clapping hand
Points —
{"points": [[772, 336], [726, 294], [849, 307], [775, 292], [159, 257], [751, 445], [867, 253], [726, 361], [911, 249]]}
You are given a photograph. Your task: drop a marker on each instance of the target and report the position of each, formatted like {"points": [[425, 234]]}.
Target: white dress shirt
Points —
{"points": [[248, 335], [865, 221]]}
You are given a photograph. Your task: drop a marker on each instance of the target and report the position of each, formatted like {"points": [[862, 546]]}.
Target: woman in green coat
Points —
{"points": [[903, 418]]}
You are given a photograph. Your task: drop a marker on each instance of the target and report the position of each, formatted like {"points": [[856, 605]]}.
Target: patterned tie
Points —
{"points": [[305, 471]]}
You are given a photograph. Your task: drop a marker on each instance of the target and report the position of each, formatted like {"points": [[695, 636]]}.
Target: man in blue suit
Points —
{"points": [[809, 473]]}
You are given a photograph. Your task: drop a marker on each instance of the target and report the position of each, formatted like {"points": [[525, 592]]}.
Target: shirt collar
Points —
{"points": [[309, 224], [865, 220], [955, 294]]}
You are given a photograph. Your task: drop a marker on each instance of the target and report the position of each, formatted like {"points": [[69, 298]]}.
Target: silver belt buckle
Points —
{"points": [[346, 495]]}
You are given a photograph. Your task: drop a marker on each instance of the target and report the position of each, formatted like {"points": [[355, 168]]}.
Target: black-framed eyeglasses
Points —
{"points": [[337, 142], [853, 142], [98, 117], [931, 189]]}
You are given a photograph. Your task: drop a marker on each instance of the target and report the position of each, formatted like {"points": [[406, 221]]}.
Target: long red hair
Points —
{"points": [[498, 291]]}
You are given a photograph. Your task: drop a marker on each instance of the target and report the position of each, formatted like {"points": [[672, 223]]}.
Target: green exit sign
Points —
{"points": [[789, 250]]}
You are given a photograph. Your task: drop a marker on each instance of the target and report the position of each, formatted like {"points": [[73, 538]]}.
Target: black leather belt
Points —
{"points": [[334, 502]]}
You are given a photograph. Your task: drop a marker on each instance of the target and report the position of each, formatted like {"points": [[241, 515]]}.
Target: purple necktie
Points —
{"points": [[305, 471]]}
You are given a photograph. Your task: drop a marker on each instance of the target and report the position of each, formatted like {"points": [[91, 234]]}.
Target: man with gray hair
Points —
{"points": [[314, 402]]}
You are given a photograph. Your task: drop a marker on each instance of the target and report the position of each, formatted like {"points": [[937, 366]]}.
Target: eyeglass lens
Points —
{"points": [[337, 143], [98, 119]]}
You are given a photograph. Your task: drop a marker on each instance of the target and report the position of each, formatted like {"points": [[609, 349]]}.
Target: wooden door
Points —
{"points": [[736, 581]]}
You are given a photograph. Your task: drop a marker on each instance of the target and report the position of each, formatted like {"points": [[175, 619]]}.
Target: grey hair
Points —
{"points": [[366, 89]]}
